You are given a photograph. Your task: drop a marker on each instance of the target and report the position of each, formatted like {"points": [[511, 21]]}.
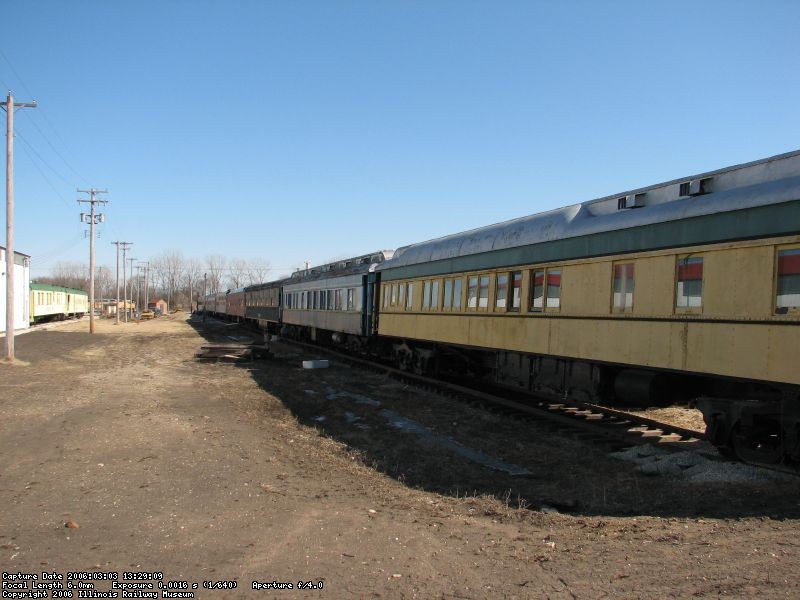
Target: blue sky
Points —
{"points": [[315, 130]]}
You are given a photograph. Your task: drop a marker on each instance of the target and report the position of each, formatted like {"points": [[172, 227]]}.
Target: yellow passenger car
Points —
{"points": [[55, 302], [685, 289]]}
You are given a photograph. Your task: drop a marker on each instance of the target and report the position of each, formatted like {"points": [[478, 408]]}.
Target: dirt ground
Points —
{"points": [[265, 472]]}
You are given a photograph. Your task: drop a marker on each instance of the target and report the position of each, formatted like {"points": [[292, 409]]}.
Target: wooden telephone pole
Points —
{"points": [[125, 246], [10, 106], [92, 219]]}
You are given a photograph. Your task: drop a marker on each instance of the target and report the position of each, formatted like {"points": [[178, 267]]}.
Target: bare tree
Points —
{"points": [[169, 271], [216, 265], [258, 270], [104, 282], [237, 273], [193, 275], [76, 275], [68, 274]]}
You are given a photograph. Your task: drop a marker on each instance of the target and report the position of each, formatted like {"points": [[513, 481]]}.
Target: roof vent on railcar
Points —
{"points": [[697, 187], [631, 201]]}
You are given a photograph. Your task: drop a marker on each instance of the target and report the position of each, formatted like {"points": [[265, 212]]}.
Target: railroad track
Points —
{"points": [[608, 427], [597, 424]]}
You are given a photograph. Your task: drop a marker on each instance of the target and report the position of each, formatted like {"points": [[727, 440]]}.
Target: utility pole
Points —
{"points": [[92, 219], [116, 308], [136, 280], [146, 283], [10, 106], [138, 288], [145, 265], [125, 246], [205, 299], [131, 280]]}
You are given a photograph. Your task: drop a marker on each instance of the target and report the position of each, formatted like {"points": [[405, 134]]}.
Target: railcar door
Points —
{"points": [[369, 314]]}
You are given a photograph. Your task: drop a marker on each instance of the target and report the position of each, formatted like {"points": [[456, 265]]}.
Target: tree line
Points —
{"points": [[169, 275]]}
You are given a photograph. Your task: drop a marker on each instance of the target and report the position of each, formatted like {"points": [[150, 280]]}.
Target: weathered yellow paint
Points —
{"points": [[586, 288], [745, 350], [654, 288], [739, 350], [739, 282]]}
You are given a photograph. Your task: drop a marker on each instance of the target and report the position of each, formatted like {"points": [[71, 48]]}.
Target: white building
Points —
{"points": [[22, 282]]}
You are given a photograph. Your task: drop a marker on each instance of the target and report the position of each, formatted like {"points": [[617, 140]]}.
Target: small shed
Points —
{"points": [[22, 282], [158, 304]]}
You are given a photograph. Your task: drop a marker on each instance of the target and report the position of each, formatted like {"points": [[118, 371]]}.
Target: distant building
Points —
{"points": [[22, 282], [158, 304], [110, 307]]}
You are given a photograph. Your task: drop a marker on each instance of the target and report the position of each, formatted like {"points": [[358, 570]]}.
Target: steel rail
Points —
{"points": [[590, 418]]}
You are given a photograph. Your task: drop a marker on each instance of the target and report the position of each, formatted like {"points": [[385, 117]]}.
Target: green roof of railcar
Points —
{"points": [[46, 287]]}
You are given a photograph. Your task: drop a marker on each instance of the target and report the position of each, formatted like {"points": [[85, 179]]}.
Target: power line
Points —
{"points": [[45, 117], [42, 173], [41, 158], [54, 149]]}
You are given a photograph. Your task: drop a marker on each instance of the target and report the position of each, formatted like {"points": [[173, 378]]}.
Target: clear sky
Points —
{"points": [[314, 130]]}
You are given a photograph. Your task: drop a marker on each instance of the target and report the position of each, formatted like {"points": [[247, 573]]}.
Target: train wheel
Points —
{"points": [[759, 443]]}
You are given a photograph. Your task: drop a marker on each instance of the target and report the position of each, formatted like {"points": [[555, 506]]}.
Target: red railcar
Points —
{"points": [[235, 302]]}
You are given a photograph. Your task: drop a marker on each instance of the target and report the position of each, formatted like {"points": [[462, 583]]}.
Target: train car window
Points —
{"points": [[329, 293], [401, 295], [394, 294], [472, 293], [537, 291], [410, 296], [516, 291], [357, 292], [386, 296], [351, 299], [787, 291], [447, 301], [553, 289], [435, 295], [483, 292], [501, 291], [338, 299], [623, 287], [426, 295], [689, 288], [545, 290], [457, 294]]}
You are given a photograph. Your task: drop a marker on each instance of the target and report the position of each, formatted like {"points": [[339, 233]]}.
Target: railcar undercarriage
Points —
{"points": [[755, 430], [755, 422], [751, 421]]}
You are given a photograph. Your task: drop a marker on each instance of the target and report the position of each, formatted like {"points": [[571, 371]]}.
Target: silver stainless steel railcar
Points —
{"points": [[333, 302]]}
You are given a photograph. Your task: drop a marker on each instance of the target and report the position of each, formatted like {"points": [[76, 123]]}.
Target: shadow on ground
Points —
{"points": [[440, 445]]}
